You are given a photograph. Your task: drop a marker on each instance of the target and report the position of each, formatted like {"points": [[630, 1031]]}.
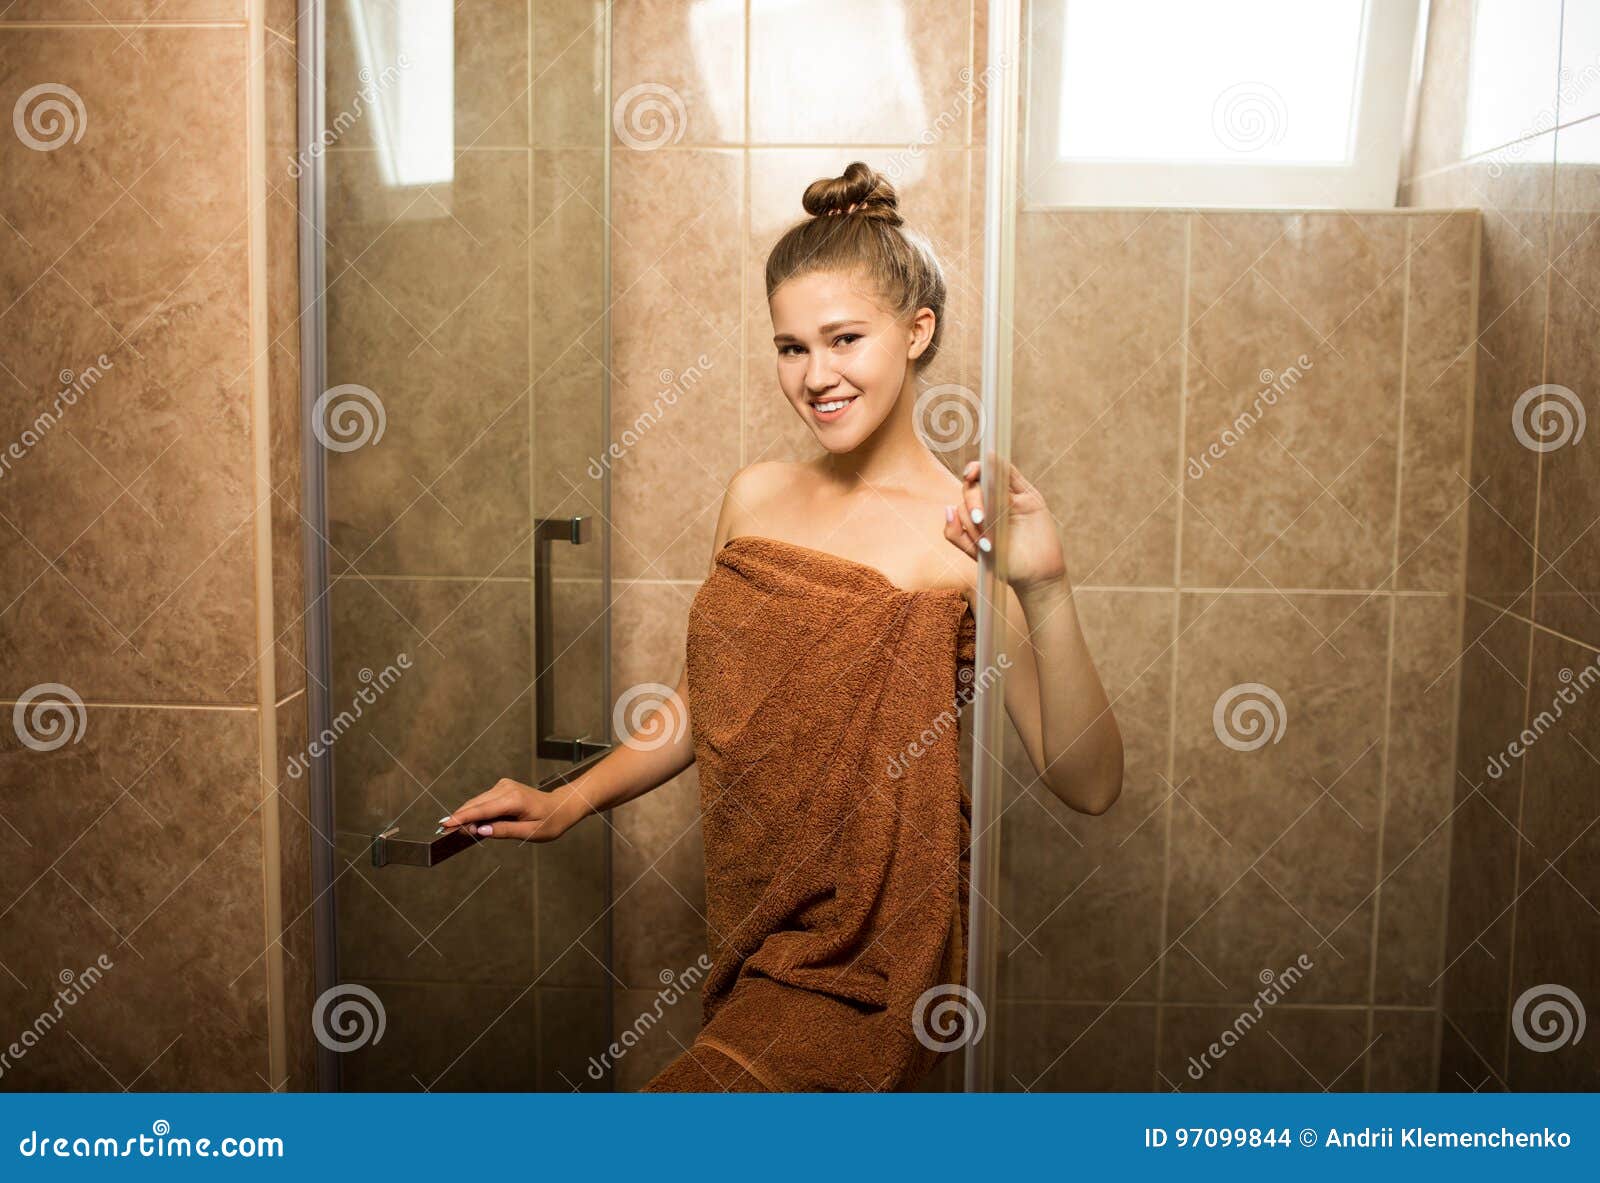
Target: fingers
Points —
{"points": [[958, 529], [493, 802], [973, 515]]}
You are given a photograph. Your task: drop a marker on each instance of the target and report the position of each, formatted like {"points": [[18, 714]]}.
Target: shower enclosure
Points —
{"points": [[455, 268]]}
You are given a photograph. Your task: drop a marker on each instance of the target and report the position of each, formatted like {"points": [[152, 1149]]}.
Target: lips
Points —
{"points": [[835, 407]]}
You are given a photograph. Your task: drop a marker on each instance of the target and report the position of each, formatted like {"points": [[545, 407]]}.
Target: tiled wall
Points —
{"points": [[1507, 124], [1252, 429], [151, 548]]}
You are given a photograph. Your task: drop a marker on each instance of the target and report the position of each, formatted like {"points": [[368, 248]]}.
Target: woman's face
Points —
{"points": [[842, 360]]}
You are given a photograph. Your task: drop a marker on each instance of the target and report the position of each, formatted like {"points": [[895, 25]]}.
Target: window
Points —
{"points": [[1223, 103]]}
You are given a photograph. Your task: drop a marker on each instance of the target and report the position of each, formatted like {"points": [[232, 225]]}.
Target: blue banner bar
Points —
{"points": [[416, 1136]]}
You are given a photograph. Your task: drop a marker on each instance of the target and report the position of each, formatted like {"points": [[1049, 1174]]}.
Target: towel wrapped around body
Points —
{"points": [[824, 705]]}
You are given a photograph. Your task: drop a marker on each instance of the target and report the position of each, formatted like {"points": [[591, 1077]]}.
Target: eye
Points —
{"points": [[843, 337], [783, 350]]}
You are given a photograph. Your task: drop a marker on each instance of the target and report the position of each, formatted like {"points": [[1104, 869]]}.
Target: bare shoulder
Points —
{"points": [[752, 491]]}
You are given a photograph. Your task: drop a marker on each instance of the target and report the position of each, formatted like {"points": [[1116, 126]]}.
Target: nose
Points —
{"points": [[821, 377]]}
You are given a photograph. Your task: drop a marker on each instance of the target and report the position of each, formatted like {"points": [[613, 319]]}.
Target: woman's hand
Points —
{"points": [[1033, 544], [514, 810]]}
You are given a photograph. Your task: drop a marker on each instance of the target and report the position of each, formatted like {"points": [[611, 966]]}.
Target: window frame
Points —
{"points": [[1390, 49]]}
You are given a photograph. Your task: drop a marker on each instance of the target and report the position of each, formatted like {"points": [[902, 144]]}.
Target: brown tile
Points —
{"points": [[1401, 1054], [649, 1034], [146, 11], [1434, 489], [1274, 840], [678, 77], [454, 1037], [896, 79], [295, 834], [569, 83], [430, 314], [139, 842], [1419, 793], [675, 268], [1443, 91], [446, 728], [1080, 895], [1277, 489], [658, 861], [1290, 1050], [574, 1036], [488, 75], [1062, 1047], [1510, 361], [1098, 371], [1461, 1069], [1483, 830], [1556, 968], [126, 577], [1567, 596]]}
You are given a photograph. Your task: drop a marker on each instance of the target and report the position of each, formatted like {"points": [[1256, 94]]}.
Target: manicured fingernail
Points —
{"points": [[485, 830], [985, 545], [440, 830], [977, 515], [949, 513], [445, 820]]}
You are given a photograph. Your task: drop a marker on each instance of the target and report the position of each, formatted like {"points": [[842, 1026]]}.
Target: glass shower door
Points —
{"points": [[459, 421]]}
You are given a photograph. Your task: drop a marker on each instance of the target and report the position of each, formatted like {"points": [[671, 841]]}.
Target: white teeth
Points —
{"points": [[826, 407]]}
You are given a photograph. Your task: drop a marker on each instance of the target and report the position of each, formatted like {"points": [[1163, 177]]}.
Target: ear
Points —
{"points": [[922, 324]]}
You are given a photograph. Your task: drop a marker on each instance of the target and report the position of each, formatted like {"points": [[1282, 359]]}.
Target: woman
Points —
{"points": [[824, 654]]}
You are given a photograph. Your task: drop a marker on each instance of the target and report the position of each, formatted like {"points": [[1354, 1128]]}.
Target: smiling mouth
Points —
{"points": [[830, 409]]}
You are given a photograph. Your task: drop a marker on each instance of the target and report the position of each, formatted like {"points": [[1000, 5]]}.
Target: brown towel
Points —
{"points": [[823, 703]]}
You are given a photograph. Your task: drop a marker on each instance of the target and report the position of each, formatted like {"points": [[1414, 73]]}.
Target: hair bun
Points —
{"points": [[860, 190]]}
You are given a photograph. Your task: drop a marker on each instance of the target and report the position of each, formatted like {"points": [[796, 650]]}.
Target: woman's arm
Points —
{"points": [[660, 747], [1053, 692]]}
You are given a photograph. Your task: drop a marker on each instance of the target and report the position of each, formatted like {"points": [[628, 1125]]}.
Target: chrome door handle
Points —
{"points": [[551, 746]]}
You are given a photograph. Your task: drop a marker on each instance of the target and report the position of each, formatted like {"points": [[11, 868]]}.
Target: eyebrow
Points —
{"points": [[825, 329]]}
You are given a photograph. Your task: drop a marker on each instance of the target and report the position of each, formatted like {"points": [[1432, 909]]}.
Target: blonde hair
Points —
{"points": [[856, 226]]}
